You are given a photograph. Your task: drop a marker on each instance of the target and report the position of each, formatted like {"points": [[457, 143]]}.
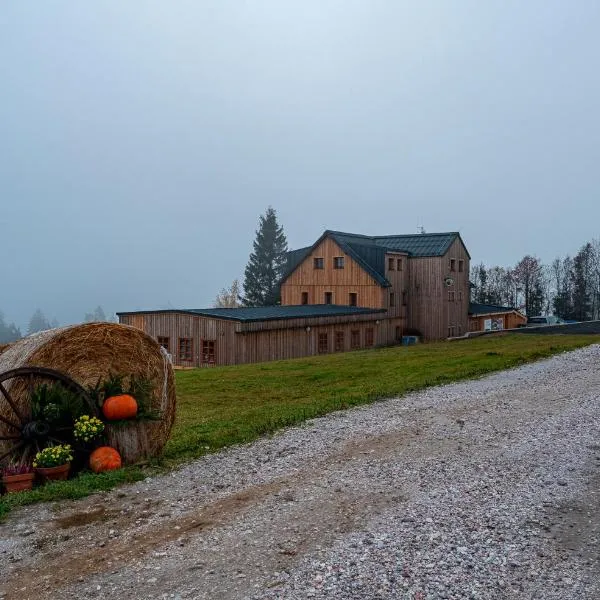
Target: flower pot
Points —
{"points": [[53, 473], [18, 483]]}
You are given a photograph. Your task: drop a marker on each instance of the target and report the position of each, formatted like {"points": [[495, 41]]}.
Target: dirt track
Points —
{"points": [[485, 489]]}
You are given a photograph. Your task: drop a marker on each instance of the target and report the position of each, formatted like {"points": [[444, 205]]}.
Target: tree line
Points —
{"points": [[569, 287], [9, 332]]}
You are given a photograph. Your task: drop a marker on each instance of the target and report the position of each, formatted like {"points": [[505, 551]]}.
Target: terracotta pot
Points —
{"points": [[53, 473], [18, 483]]}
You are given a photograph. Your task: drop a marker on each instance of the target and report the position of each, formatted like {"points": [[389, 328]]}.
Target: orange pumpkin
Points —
{"points": [[104, 458], [123, 406]]}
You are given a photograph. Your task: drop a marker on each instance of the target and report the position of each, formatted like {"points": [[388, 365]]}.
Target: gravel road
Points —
{"points": [[483, 489]]}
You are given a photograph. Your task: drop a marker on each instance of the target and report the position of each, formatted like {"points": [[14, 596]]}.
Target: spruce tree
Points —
{"points": [[267, 263]]}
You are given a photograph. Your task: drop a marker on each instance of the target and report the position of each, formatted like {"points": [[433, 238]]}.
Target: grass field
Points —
{"points": [[228, 405]]}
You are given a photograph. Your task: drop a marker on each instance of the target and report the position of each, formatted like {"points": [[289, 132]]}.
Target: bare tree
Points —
{"points": [[229, 297], [528, 275]]}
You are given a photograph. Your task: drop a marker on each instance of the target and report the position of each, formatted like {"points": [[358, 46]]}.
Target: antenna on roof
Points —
{"points": [[421, 229]]}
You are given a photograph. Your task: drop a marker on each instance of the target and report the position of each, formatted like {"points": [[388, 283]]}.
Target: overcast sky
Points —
{"points": [[140, 141]]}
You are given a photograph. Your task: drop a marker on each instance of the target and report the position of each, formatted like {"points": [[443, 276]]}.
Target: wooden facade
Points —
{"points": [[379, 289], [439, 293], [339, 282], [494, 321], [234, 342], [429, 295]]}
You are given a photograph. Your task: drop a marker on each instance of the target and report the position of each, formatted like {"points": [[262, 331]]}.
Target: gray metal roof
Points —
{"points": [[270, 313], [486, 309]]}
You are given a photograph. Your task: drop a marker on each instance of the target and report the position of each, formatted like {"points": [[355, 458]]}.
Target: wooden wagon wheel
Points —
{"points": [[23, 435]]}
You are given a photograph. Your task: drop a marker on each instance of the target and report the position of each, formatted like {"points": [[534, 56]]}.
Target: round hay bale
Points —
{"points": [[90, 353]]}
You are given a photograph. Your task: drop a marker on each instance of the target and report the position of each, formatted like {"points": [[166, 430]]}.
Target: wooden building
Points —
{"points": [[420, 279], [344, 292], [229, 336], [489, 317]]}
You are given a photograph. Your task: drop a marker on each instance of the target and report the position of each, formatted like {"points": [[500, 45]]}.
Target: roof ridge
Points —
{"points": [[378, 237]]}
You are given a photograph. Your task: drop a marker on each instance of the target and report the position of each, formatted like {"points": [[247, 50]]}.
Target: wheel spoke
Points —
{"points": [[12, 403], [9, 423], [12, 450]]}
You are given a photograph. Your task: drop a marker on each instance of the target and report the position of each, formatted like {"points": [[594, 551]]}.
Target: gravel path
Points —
{"points": [[483, 489]]}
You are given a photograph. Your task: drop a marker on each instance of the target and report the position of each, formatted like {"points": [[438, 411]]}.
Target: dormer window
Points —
{"points": [[391, 264]]}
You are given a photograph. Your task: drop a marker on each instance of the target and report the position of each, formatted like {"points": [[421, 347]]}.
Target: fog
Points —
{"points": [[140, 141]]}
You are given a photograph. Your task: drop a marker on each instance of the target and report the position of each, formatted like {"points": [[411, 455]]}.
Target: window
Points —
{"points": [[404, 298], [318, 263], [164, 342], [323, 343], [399, 263], [355, 339], [353, 299], [451, 331], [338, 262], [398, 333], [453, 264], [339, 341], [208, 352], [461, 266], [392, 299], [186, 349], [304, 298], [369, 339], [391, 264], [328, 297], [451, 296]]}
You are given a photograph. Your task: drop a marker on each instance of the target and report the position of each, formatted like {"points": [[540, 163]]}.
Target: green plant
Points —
{"points": [[56, 404], [53, 456], [86, 428], [139, 388]]}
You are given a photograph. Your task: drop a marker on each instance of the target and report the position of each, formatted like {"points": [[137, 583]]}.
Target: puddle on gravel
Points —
{"points": [[85, 518]]}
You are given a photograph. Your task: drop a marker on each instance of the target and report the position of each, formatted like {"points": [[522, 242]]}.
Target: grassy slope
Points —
{"points": [[227, 405]]}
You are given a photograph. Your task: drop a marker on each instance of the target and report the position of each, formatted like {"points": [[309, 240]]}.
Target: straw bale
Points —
{"points": [[90, 352]]}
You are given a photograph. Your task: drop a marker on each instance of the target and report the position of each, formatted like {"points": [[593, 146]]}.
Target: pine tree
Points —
{"points": [[8, 333], [267, 263], [38, 322]]}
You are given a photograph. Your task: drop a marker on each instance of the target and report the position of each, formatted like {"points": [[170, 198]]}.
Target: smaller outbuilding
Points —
{"points": [[489, 317], [231, 336]]}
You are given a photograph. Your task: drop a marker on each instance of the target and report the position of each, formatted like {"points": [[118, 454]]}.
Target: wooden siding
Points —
{"points": [[399, 283], [177, 325], [260, 341], [509, 320], [430, 310], [341, 282]]}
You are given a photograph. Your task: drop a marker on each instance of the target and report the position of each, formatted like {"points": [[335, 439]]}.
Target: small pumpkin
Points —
{"points": [[118, 407], [104, 458]]}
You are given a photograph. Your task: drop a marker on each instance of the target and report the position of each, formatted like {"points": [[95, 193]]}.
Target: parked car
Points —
{"points": [[540, 320]]}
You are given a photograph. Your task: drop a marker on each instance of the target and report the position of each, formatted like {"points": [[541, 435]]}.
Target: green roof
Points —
{"points": [[369, 251], [269, 313]]}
